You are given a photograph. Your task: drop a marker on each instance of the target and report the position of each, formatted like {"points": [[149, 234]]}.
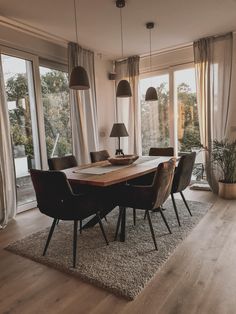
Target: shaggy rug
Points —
{"points": [[123, 268]]}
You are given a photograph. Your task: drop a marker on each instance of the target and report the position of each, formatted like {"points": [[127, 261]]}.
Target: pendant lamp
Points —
{"points": [[123, 88], [151, 93], [78, 77]]}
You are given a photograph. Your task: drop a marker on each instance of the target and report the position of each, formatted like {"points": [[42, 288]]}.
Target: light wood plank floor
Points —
{"points": [[199, 277]]}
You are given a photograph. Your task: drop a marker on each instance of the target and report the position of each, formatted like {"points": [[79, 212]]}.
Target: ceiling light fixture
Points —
{"points": [[78, 77], [151, 93], [123, 88]]}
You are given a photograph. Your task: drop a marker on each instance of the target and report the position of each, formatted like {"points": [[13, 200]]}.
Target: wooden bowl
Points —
{"points": [[123, 160]]}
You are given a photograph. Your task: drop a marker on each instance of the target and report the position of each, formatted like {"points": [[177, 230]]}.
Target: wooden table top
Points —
{"points": [[117, 176]]}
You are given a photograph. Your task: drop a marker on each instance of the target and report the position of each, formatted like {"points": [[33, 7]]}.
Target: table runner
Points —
{"points": [[100, 170]]}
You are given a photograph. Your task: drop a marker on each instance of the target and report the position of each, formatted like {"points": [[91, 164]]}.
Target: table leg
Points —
{"points": [[123, 223]]}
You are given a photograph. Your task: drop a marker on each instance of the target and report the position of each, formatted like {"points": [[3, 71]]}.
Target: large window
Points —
{"points": [[188, 124], [55, 95], [155, 115], [173, 119], [18, 77]]}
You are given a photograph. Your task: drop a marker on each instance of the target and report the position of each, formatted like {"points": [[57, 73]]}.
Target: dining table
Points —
{"points": [[103, 174]]}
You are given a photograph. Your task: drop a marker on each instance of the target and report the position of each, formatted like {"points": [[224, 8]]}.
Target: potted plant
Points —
{"points": [[224, 158]]}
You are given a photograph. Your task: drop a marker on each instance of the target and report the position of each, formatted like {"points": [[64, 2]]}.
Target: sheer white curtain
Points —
{"points": [[213, 65], [7, 175], [128, 108], [83, 106]]}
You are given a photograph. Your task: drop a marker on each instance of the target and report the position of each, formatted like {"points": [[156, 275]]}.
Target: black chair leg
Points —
{"points": [[50, 235], [75, 243], [105, 218], [134, 216], [80, 226], [118, 224], [185, 202], [58, 221], [175, 208], [145, 215], [151, 228], [164, 219], [102, 229]]}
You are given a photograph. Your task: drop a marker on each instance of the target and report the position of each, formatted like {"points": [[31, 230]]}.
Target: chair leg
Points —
{"points": [[75, 242], [118, 224], [134, 216], [145, 215], [50, 235], [102, 229], [185, 202], [105, 218], [164, 219], [58, 221], [175, 208], [80, 226], [151, 228]]}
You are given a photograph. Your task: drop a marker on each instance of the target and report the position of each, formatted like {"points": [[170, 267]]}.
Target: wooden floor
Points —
{"points": [[200, 277]]}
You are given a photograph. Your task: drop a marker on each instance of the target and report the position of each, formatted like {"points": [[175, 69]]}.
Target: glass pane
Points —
{"points": [[188, 124], [23, 123], [55, 93], [155, 124]]}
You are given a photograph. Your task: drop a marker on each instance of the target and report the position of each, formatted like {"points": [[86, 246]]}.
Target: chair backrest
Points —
{"points": [[161, 151], [162, 182], [52, 191], [183, 172], [99, 155], [61, 163]]}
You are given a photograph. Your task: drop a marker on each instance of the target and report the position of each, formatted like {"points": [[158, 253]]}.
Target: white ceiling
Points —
{"points": [[179, 21]]}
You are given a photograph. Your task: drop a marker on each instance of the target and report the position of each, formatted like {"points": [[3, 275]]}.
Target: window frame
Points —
{"points": [[52, 66], [173, 99], [41, 144], [36, 62]]}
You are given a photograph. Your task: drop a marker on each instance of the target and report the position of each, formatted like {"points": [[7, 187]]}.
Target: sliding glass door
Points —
{"points": [[188, 134], [173, 119], [56, 110], [21, 101], [155, 120]]}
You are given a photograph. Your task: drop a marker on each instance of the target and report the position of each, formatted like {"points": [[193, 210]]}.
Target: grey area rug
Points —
{"points": [[122, 268]]}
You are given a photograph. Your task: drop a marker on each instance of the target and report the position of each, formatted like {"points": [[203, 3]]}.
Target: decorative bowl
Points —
{"points": [[123, 159]]}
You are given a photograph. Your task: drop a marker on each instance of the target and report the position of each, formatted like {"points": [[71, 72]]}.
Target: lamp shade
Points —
{"points": [[123, 89], [119, 130], [79, 79], [151, 94]]}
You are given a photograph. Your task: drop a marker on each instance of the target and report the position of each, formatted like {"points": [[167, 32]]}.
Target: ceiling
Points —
{"points": [[178, 21]]}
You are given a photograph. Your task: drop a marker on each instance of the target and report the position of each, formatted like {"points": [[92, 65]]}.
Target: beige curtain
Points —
{"points": [[128, 108], [213, 65], [83, 106], [7, 175]]}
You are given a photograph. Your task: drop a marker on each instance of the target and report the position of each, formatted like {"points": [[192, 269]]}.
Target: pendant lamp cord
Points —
{"points": [[76, 27], [121, 33], [150, 47]]}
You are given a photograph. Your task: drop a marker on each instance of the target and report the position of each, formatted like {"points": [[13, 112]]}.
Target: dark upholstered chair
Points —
{"points": [[56, 199], [182, 179], [148, 178], [147, 197], [161, 151], [99, 156], [61, 163]]}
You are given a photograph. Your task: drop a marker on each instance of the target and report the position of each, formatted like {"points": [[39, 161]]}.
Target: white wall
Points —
{"points": [[105, 92]]}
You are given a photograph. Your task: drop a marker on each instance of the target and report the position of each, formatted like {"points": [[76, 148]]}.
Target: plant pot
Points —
{"points": [[227, 190]]}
